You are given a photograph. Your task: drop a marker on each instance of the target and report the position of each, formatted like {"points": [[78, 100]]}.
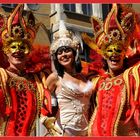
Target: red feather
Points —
{"points": [[39, 59]]}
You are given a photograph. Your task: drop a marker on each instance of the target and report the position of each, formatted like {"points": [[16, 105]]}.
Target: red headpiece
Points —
{"points": [[16, 28], [113, 30]]}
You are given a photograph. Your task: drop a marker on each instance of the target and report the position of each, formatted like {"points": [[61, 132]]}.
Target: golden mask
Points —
{"points": [[114, 50], [16, 46]]}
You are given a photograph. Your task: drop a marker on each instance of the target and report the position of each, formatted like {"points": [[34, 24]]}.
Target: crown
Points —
{"points": [[117, 28], [65, 38], [16, 28]]}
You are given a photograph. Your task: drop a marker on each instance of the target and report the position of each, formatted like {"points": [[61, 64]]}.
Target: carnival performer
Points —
{"points": [[117, 105], [72, 90], [23, 97]]}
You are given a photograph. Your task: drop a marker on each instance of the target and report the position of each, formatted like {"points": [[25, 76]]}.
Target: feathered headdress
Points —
{"points": [[16, 28], [65, 38], [112, 30]]}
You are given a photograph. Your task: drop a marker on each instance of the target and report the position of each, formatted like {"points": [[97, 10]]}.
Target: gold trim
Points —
{"points": [[126, 80], [3, 80], [43, 77], [39, 87], [102, 86], [95, 80], [100, 23], [108, 85], [137, 78], [122, 103], [118, 81], [92, 121]]}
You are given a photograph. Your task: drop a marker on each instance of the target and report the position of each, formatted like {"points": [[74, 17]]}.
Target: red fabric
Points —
{"points": [[99, 113], [44, 111], [24, 110], [8, 110], [39, 59], [2, 103], [134, 111], [47, 108], [117, 90], [109, 99], [95, 66], [111, 112], [10, 128], [28, 119]]}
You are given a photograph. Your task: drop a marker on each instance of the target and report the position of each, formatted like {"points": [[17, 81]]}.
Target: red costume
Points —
{"points": [[117, 111], [23, 98], [118, 106]]}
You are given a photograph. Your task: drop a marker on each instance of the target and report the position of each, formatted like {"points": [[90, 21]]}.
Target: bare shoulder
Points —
{"points": [[52, 81], [52, 77]]}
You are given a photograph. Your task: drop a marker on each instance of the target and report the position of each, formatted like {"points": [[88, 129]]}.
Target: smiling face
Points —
{"points": [[115, 55], [17, 52], [65, 56]]}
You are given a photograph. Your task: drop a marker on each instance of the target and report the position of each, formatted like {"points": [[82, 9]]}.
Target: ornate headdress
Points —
{"points": [[65, 38], [113, 30], [15, 27]]}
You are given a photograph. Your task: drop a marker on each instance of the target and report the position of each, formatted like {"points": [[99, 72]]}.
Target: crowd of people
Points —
{"points": [[102, 104]]}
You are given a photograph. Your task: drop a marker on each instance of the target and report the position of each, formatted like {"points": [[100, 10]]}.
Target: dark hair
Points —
{"points": [[60, 69]]}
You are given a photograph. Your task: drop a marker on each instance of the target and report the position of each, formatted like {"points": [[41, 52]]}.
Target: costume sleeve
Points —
{"points": [[46, 105], [5, 104], [2, 101], [136, 93], [44, 94], [132, 80]]}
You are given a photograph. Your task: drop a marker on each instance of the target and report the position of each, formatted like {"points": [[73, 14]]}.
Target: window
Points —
{"points": [[33, 7], [8, 7], [106, 8], [69, 7], [87, 9], [84, 55]]}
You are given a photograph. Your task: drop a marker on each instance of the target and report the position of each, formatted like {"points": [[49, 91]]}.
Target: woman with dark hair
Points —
{"points": [[60, 68], [72, 90]]}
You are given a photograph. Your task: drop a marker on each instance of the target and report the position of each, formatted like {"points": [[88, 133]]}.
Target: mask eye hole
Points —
{"points": [[13, 47], [119, 51], [109, 51], [22, 48]]}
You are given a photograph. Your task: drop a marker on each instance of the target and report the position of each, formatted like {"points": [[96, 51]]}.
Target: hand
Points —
{"points": [[50, 125]]}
